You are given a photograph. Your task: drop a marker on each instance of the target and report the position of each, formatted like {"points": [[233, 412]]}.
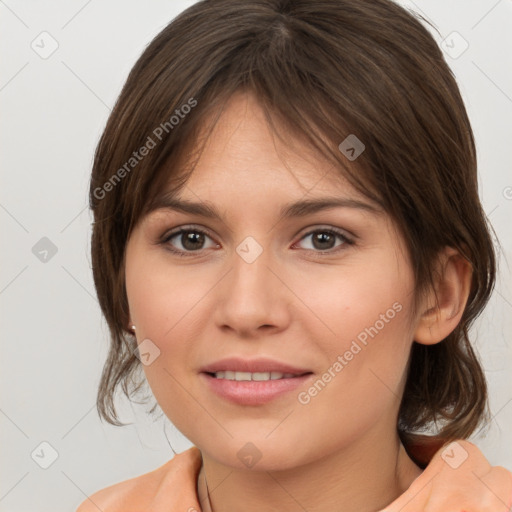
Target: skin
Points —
{"points": [[342, 447], [294, 304]]}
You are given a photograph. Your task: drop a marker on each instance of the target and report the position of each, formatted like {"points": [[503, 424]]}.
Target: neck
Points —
{"points": [[365, 476]]}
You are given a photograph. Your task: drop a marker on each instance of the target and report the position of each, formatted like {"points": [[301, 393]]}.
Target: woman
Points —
{"points": [[288, 237]]}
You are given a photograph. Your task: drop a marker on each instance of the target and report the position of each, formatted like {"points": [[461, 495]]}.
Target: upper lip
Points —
{"points": [[237, 364]]}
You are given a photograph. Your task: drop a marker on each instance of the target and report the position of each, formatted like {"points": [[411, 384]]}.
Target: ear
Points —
{"points": [[442, 308]]}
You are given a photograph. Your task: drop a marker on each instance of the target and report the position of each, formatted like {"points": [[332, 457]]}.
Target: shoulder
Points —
{"points": [[150, 489]]}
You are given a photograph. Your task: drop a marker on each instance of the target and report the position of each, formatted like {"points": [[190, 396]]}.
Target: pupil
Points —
{"points": [[191, 239], [322, 238]]}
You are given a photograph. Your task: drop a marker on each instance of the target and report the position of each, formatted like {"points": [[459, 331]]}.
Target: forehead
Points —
{"points": [[243, 152]]}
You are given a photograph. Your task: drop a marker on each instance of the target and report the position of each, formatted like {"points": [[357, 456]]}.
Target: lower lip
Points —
{"points": [[250, 392]]}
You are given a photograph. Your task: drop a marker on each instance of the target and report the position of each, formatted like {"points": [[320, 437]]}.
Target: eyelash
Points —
{"points": [[191, 229]]}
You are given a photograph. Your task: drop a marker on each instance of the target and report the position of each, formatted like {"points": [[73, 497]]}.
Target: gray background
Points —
{"points": [[53, 337]]}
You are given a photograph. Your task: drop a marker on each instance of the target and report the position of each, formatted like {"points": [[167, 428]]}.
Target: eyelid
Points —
{"points": [[186, 227], [164, 239], [348, 240], [347, 236], [327, 227]]}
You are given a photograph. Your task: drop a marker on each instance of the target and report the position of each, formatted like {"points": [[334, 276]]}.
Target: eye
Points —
{"points": [[187, 240], [324, 239]]}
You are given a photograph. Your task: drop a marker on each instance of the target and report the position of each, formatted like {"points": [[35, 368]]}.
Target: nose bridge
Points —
{"points": [[251, 275], [251, 295]]}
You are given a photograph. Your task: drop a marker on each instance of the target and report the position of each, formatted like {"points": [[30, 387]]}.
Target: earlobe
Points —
{"points": [[131, 327], [444, 306]]}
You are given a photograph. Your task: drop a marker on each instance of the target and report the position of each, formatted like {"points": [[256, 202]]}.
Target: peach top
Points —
{"points": [[173, 486]]}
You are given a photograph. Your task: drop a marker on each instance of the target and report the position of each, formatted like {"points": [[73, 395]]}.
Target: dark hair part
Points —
{"points": [[324, 69]]}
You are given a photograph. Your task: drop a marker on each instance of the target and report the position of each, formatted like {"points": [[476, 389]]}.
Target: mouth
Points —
{"points": [[262, 368], [252, 382], [256, 376]]}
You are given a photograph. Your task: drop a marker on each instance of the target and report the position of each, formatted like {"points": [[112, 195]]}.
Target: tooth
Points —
{"points": [[256, 376], [261, 376], [242, 375]]}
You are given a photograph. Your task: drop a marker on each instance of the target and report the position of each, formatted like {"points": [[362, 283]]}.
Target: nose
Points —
{"points": [[252, 298]]}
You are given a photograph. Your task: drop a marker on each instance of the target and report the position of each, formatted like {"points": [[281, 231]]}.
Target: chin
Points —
{"points": [[258, 454]]}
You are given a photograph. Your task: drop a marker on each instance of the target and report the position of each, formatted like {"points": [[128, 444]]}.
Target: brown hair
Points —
{"points": [[324, 69]]}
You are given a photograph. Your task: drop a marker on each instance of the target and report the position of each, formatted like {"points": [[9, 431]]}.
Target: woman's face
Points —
{"points": [[326, 291]]}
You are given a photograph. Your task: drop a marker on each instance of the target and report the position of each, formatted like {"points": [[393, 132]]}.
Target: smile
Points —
{"points": [[253, 389], [257, 376]]}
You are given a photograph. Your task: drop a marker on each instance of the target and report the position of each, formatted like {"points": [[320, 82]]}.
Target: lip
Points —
{"points": [[249, 392], [237, 364]]}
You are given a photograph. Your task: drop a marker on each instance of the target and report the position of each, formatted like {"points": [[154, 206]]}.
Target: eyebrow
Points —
{"points": [[300, 208]]}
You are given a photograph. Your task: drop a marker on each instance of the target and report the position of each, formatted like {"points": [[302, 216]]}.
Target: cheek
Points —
{"points": [[361, 314], [362, 383], [162, 298], [366, 299], [164, 302]]}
